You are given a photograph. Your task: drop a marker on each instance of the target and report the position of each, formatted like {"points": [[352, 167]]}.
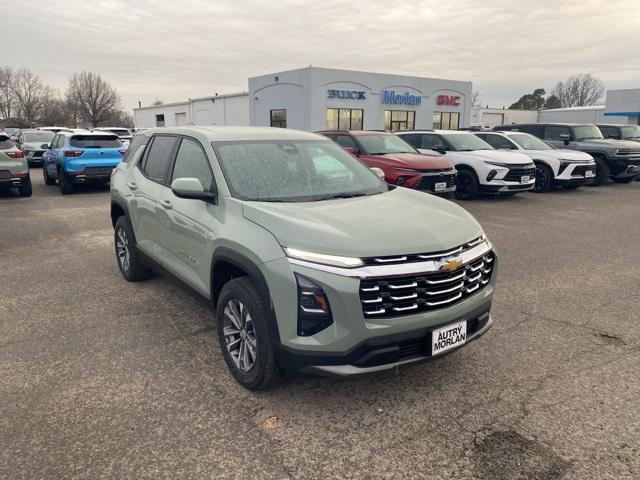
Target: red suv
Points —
{"points": [[400, 162]]}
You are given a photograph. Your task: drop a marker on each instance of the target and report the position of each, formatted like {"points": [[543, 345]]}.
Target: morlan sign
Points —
{"points": [[405, 98]]}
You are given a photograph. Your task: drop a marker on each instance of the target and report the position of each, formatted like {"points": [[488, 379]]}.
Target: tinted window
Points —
{"points": [[609, 132], [553, 132], [5, 142], [345, 141], [496, 141], [134, 145], [95, 141], [158, 160], [192, 162]]}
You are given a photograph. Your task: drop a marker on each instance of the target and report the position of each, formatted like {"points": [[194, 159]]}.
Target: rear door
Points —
{"points": [[148, 184], [192, 225]]}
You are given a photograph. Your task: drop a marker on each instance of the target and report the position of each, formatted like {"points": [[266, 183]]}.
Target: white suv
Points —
{"points": [[480, 167], [554, 166]]}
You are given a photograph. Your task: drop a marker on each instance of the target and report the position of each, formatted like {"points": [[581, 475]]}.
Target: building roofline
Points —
{"points": [[190, 100]]}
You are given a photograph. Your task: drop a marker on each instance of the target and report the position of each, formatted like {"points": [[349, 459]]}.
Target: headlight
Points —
{"points": [[323, 259], [406, 170]]}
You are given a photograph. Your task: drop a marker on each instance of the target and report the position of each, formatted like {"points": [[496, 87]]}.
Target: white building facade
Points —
{"points": [[314, 98]]}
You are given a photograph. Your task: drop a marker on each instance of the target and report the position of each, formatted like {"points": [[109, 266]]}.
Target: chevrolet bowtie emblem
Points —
{"points": [[451, 264]]}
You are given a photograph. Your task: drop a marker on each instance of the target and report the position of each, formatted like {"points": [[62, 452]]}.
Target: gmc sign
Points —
{"points": [[448, 100]]}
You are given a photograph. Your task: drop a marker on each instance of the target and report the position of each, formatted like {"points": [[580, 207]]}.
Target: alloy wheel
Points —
{"points": [[239, 335], [122, 250]]}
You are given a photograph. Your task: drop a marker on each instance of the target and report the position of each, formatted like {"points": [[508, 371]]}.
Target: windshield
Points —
{"points": [[294, 171], [587, 132], [465, 142], [95, 141], [631, 131], [383, 143], [529, 142], [41, 136], [120, 132]]}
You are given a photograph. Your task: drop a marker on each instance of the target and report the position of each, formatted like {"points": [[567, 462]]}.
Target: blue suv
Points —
{"points": [[77, 158]]}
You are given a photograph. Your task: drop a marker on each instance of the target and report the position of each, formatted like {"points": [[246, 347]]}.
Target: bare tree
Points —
{"points": [[476, 101], [7, 97], [95, 98], [579, 90], [29, 94]]}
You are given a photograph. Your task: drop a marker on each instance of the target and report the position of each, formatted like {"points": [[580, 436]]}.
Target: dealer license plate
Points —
{"points": [[446, 338], [589, 173], [441, 186], [525, 179]]}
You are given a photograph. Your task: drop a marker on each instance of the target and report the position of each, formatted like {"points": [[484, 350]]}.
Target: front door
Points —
{"points": [[186, 237]]}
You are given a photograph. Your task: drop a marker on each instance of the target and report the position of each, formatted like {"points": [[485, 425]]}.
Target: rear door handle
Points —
{"points": [[166, 204], [132, 185]]}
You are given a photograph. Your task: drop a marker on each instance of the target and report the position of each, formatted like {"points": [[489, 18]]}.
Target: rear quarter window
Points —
{"points": [[5, 143], [95, 141], [138, 140]]}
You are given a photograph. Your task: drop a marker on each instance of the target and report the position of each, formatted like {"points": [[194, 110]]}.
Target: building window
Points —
{"points": [[279, 118], [396, 120], [446, 120], [344, 118], [160, 120]]}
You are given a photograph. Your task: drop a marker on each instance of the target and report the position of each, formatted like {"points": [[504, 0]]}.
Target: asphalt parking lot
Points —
{"points": [[100, 378]]}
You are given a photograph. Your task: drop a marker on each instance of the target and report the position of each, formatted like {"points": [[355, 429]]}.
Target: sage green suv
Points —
{"points": [[310, 260]]}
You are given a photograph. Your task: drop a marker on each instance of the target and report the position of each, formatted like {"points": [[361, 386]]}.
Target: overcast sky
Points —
{"points": [[176, 49]]}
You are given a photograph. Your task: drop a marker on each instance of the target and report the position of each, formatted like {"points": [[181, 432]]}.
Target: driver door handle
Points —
{"points": [[132, 185], [166, 204]]}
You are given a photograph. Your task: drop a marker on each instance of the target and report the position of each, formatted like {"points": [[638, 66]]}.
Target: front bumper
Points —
{"points": [[34, 157], [627, 171], [381, 353], [506, 188]]}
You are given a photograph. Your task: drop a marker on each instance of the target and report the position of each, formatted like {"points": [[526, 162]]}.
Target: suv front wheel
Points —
{"points": [[243, 334]]}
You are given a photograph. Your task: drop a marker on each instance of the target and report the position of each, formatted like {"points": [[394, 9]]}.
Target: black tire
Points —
{"points": [[64, 183], [133, 270], [571, 187], [544, 178], [466, 185], [264, 372], [47, 179], [624, 180], [26, 190], [603, 172]]}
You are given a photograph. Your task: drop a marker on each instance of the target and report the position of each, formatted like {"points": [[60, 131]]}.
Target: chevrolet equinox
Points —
{"points": [[310, 261]]}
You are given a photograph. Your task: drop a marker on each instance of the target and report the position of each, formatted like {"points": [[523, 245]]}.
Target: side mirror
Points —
{"points": [[190, 188], [565, 138], [439, 148], [351, 150], [45, 146], [378, 171]]}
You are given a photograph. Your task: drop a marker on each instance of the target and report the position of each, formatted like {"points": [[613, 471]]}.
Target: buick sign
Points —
{"points": [[400, 98], [346, 94]]}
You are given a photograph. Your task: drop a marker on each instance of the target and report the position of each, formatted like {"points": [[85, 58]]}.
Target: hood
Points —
{"points": [[417, 160], [33, 145], [401, 221], [560, 154], [611, 142], [493, 156]]}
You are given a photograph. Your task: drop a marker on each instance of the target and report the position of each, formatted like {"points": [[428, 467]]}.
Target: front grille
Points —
{"points": [[428, 182], [97, 171], [421, 257], [407, 295], [515, 174], [581, 169], [629, 151]]}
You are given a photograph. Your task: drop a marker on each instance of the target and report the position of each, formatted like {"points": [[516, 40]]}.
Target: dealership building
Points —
{"points": [[314, 98]]}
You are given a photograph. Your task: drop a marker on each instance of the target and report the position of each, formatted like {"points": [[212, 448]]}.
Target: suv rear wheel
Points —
{"points": [[243, 334], [47, 179], [64, 182], [129, 263]]}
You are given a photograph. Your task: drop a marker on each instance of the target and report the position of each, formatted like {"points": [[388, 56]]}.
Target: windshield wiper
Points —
{"points": [[342, 195]]}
